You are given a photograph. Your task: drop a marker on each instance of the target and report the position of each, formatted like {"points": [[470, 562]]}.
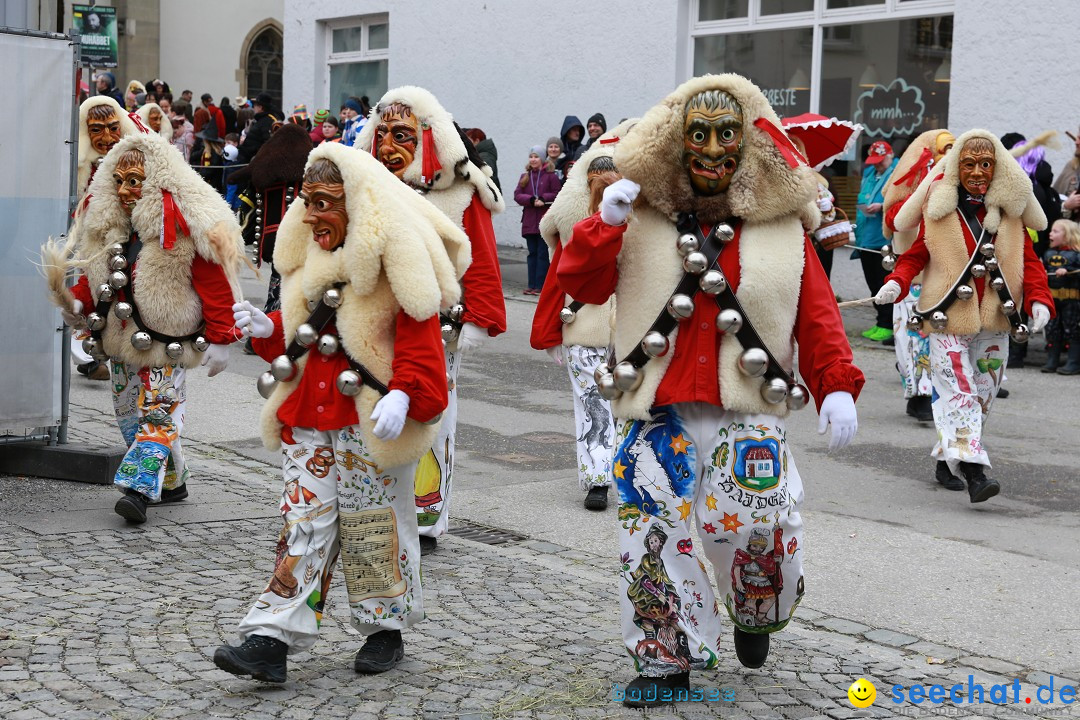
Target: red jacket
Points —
{"points": [[419, 370], [482, 284], [546, 326], [588, 272]]}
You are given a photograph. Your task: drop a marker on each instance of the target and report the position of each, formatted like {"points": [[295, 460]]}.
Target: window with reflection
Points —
{"points": [[777, 61]]}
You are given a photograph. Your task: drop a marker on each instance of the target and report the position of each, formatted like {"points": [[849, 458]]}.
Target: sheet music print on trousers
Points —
{"points": [[369, 550]]}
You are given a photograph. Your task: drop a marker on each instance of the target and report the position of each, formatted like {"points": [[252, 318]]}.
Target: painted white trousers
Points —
{"points": [[336, 500], [912, 349], [595, 428], [434, 479], [732, 476]]}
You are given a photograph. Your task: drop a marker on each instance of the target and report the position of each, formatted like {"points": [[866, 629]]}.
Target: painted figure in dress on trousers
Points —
{"points": [[158, 253], [982, 281], [700, 435], [355, 393], [417, 140], [576, 334]]}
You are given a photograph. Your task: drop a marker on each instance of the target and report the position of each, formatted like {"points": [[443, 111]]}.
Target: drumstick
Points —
{"points": [[855, 303]]}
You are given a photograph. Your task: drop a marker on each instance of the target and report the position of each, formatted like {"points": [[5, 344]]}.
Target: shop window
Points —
{"points": [[838, 4], [777, 61], [778, 7], [722, 9], [358, 61]]}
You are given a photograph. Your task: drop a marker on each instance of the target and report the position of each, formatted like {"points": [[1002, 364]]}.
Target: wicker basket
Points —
{"points": [[835, 233]]}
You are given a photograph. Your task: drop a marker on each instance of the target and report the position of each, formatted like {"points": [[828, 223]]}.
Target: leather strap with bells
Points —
{"points": [[569, 313]]}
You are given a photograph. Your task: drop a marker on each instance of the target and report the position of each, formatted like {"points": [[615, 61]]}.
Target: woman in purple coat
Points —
{"points": [[535, 191]]}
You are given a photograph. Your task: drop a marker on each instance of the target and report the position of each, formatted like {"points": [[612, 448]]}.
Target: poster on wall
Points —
{"points": [[97, 25], [886, 112]]}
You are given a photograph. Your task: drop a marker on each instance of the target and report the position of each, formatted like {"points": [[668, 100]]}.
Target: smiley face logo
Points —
{"points": [[862, 693]]}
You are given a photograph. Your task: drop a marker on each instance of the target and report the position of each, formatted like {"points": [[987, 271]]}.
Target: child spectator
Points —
{"points": [[1060, 260], [230, 155]]}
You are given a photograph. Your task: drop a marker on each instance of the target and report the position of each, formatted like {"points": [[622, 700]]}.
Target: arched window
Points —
{"points": [[264, 64]]}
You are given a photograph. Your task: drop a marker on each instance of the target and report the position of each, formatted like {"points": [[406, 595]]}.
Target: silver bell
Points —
{"points": [[915, 322], [774, 390], [449, 332], [1021, 333], [695, 263], [798, 397], [655, 344], [332, 298], [965, 292], [95, 322], [174, 350], [729, 321], [118, 279], [306, 334], [680, 306], [997, 283], [116, 249], [601, 370], [725, 232], [938, 320], [267, 383], [567, 316], [348, 382], [200, 343], [258, 229], [123, 310], [91, 346], [258, 212], [1008, 307], [987, 250], [686, 244], [457, 313], [712, 282], [627, 377], [978, 270], [991, 264], [328, 344], [117, 262], [754, 362], [283, 368], [311, 305], [886, 250], [888, 262], [141, 340], [105, 292], [606, 387]]}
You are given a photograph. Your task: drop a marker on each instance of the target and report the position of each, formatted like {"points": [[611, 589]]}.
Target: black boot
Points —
{"points": [[131, 507], [1073, 366], [654, 691], [381, 652], [1002, 393], [945, 477], [175, 495], [428, 545], [752, 649], [1053, 358], [261, 657], [597, 498], [920, 408], [980, 487]]}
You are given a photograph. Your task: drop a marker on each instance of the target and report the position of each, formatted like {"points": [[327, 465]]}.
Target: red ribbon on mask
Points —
{"points": [[171, 220], [430, 164], [918, 170], [138, 122], [787, 149], [608, 141]]}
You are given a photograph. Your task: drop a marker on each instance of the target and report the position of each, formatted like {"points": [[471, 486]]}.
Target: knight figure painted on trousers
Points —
{"points": [[703, 245]]}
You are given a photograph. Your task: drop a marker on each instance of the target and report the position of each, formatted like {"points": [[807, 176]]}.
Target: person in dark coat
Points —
{"points": [[261, 127], [595, 127], [571, 135], [535, 192], [485, 148], [106, 85], [208, 156], [229, 113]]}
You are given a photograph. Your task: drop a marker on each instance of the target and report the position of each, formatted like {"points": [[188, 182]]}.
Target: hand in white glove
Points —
{"points": [[825, 204], [76, 319], [1040, 315], [389, 414], [252, 321], [216, 358], [471, 337], [838, 410], [618, 199], [558, 354], [888, 293]]}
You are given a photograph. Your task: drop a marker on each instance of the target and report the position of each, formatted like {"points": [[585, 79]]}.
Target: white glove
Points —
{"points": [[618, 199], [216, 358], [838, 410], [1040, 315], [824, 204], [252, 321], [558, 354], [76, 319], [471, 337], [389, 414], [888, 293]]}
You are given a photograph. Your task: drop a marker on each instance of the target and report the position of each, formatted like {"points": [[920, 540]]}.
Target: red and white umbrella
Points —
{"points": [[824, 138]]}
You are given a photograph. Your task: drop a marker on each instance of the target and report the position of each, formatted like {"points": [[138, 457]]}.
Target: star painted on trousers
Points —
{"points": [[731, 523], [684, 509], [619, 469], [710, 501], [709, 528], [679, 444]]}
